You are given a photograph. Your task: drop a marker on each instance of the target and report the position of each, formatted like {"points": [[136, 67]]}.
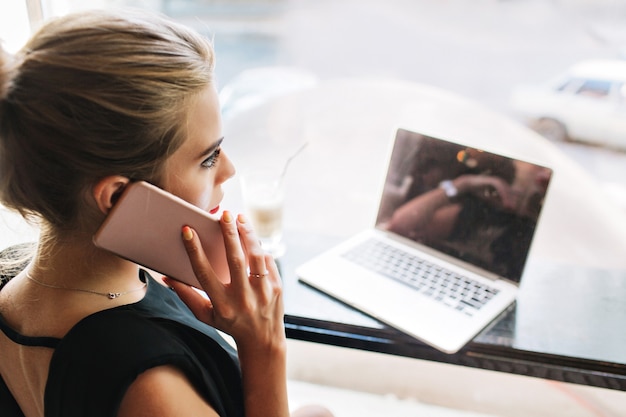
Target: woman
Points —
{"points": [[93, 102]]}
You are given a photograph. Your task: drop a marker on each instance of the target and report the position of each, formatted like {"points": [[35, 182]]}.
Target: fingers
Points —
{"points": [[252, 270], [273, 278], [199, 262], [504, 194], [256, 256], [246, 257], [254, 291], [237, 262]]}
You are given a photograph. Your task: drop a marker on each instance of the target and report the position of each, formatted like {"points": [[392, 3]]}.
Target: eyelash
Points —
{"points": [[212, 159]]}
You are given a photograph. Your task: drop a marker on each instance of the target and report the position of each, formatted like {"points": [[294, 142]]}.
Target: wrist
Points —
{"points": [[274, 351]]}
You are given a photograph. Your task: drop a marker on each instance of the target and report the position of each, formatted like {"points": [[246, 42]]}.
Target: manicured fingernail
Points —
{"points": [[187, 233], [241, 218], [228, 218]]}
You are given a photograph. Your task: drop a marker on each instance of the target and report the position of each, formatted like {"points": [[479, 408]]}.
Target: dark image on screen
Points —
{"points": [[486, 218]]}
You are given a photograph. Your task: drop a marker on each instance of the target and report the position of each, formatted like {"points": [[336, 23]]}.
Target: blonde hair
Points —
{"points": [[90, 95]]}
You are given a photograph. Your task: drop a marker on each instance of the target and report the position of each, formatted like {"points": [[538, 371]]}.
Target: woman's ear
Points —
{"points": [[106, 191]]}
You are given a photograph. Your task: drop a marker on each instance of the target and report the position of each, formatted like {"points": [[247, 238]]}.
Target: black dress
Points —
{"points": [[98, 359]]}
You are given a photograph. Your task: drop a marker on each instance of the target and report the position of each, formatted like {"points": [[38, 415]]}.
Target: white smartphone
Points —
{"points": [[144, 226]]}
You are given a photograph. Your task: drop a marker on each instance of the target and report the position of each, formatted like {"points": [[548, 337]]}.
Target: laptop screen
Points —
{"points": [[476, 206]]}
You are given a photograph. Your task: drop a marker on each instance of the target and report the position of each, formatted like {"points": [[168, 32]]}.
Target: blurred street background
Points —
{"points": [[479, 49]]}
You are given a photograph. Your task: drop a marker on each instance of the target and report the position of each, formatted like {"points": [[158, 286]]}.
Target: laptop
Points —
{"points": [[452, 235]]}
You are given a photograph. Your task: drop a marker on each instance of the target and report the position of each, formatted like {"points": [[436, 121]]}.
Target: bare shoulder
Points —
{"points": [[163, 391]]}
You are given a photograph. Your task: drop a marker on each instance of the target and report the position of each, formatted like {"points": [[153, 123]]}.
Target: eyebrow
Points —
{"points": [[211, 148]]}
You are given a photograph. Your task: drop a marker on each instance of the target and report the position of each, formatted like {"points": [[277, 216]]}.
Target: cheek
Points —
{"points": [[205, 198], [202, 191], [198, 193]]}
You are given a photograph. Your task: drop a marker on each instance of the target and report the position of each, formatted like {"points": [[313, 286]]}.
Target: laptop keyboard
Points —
{"points": [[440, 284]]}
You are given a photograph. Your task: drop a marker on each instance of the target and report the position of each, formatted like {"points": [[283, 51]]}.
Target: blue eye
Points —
{"points": [[212, 159]]}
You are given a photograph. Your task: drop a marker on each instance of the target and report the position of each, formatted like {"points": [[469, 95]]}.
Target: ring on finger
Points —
{"points": [[263, 275]]}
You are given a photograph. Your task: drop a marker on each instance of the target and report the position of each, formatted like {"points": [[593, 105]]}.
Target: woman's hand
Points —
{"points": [[250, 307], [491, 189]]}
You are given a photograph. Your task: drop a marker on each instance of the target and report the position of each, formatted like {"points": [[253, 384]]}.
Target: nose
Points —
{"points": [[227, 169]]}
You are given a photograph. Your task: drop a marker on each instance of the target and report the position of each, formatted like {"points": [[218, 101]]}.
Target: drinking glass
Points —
{"points": [[263, 194]]}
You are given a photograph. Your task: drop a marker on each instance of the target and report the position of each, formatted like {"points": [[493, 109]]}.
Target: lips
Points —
{"points": [[215, 210]]}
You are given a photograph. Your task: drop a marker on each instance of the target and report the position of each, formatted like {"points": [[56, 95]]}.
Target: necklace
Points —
{"points": [[109, 295]]}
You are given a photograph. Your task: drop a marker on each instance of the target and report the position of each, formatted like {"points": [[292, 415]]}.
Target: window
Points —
{"points": [[570, 85], [14, 25], [595, 88]]}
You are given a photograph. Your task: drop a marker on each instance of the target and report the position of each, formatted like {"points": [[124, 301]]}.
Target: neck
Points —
{"points": [[48, 305], [74, 262]]}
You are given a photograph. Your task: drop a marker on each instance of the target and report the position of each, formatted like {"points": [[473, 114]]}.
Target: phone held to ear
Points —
{"points": [[144, 226]]}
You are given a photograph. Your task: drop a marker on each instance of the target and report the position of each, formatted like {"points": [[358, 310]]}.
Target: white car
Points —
{"points": [[587, 103]]}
